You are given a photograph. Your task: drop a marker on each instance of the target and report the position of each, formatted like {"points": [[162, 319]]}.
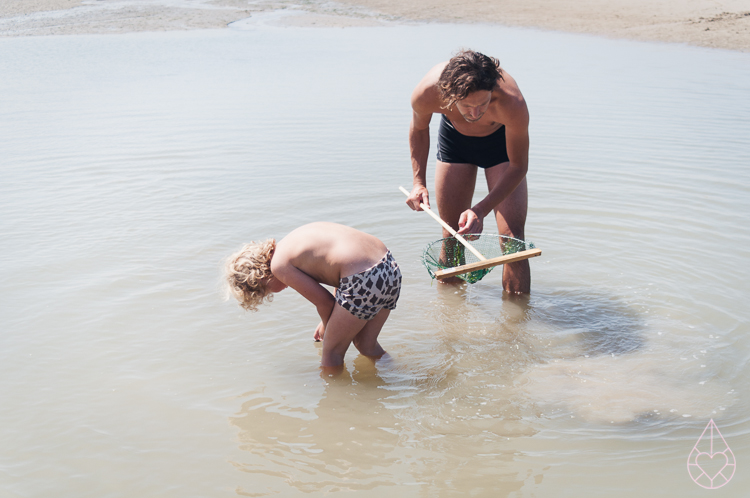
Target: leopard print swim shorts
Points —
{"points": [[365, 293]]}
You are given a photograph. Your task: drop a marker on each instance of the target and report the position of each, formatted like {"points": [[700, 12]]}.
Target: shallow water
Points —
{"points": [[132, 164]]}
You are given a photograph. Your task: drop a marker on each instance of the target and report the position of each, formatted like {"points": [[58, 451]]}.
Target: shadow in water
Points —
{"points": [[513, 357], [596, 362], [587, 323], [577, 323]]}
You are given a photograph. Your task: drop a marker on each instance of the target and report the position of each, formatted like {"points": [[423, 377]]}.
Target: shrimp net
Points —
{"points": [[449, 253]]}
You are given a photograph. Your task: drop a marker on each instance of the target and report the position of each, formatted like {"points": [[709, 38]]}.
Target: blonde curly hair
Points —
{"points": [[248, 272]]}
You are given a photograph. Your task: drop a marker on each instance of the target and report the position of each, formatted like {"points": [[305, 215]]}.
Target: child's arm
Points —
{"points": [[308, 287]]}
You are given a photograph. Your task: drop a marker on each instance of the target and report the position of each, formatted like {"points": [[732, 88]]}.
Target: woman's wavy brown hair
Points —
{"points": [[248, 272], [467, 72]]}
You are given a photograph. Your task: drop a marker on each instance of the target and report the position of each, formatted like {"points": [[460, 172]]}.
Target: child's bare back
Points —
{"points": [[327, 252]]}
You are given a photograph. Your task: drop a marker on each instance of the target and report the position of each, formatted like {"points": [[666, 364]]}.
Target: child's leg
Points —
{"points": [[341, 330], [344, 329], [366, 341]]}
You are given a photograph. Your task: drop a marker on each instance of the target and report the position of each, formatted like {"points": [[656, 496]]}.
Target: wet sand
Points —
{"points": [[720, 24]]}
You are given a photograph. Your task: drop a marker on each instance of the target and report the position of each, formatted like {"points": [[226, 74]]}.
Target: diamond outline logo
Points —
{"points": [[713, 474]]}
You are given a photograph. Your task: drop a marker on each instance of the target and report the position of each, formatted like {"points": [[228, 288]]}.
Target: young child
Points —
{"points": [[360, 267]]}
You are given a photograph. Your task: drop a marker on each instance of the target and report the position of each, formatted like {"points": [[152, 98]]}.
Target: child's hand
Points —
{"points": [[319, 331]]}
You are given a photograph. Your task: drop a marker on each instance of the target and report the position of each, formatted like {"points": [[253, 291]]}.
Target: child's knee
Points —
{"points": [[371, 350], [367, 345], [359, 343]]}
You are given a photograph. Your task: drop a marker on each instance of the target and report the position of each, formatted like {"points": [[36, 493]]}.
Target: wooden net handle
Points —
{"points": [[481, 265], [448, 227]]}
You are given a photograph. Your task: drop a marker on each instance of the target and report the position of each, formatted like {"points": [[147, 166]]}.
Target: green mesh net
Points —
{"points": [[449, 253]]}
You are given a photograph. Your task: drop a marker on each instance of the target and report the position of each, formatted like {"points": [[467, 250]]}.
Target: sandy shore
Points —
{"points": [[719, 23]]}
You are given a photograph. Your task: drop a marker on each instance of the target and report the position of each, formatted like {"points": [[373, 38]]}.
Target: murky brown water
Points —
{"points": [[132, 164]]}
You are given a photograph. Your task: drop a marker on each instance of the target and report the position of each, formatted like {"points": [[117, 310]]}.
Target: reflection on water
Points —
{"points": [[363, 434], [445, 414], [132, 165], [346, 442]]}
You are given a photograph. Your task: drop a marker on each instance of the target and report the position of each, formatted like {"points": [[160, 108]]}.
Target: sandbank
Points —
{"points": [[721, 24]]}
